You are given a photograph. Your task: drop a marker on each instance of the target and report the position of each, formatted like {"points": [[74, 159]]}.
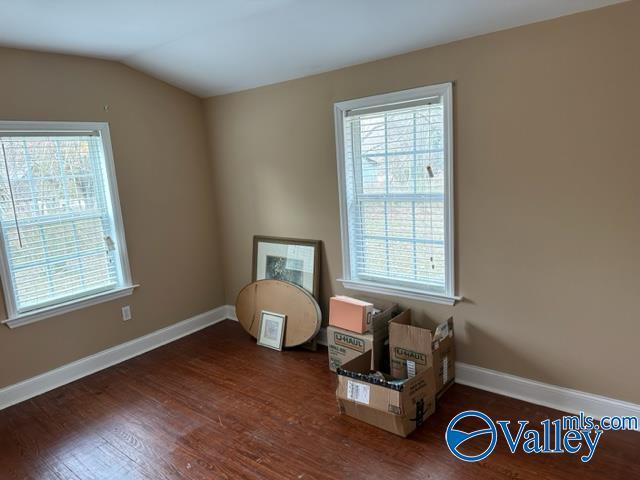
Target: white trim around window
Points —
{"points": [[354, 275], [103, 192], [36, 315]]}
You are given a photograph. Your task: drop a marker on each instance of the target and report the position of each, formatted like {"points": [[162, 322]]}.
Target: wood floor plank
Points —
{"points": [[214, 405]]}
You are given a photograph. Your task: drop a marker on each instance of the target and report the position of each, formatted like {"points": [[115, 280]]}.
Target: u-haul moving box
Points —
{"points": [[444, 356], [344, 345], [410, 346], [395, 406]]}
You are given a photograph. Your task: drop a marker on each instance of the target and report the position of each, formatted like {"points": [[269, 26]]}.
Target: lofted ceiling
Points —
{"points": [[210, 47]]}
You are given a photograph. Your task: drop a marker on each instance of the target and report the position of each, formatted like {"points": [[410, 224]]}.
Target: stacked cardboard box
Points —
{"points": [[351, 314], [397, 406], [344, 344], [422, 367]]}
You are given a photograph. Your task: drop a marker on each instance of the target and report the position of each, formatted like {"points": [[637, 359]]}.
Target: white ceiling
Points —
{"points": [[209, 47]]}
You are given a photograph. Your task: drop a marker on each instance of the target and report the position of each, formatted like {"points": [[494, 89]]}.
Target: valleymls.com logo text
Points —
{"points": [[572, 434]]}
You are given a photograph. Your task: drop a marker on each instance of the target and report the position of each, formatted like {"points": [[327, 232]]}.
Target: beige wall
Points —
{"points": [[164, 181], [547, 162]]}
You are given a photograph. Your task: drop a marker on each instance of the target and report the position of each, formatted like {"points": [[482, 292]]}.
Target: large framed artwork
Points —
{"points": [[289, 259]]}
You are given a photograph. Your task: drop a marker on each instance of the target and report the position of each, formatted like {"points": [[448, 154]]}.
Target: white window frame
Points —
{"points": [[445, 91], [16, 318]]}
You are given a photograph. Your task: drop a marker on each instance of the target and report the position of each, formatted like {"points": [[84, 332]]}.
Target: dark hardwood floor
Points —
{"points": [[215, 405]]}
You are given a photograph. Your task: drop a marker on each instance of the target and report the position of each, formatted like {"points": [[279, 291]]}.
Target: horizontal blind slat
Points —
{"points": [[394, 161], [62, 215]]}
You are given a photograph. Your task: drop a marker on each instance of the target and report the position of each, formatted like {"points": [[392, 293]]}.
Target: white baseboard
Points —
{"points": [[552, 396], [560, 398], [231, 312], [34, 386]]}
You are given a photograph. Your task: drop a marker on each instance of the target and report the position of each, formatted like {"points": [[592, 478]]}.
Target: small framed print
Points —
{"points": [[271, 333], [288, 259]]}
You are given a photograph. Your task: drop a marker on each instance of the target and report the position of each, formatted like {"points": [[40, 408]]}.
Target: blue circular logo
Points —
{"points": [[455, 438]]}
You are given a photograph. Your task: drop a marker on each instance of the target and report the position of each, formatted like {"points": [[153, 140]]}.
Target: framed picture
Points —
{"points": [[289, 259], [271, 333]]}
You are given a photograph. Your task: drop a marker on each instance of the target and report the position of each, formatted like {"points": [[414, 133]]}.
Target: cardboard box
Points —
{"points": [[408, 344], [398, 408], [444, 356], [344, 345], [411, 345], [350, 313]]}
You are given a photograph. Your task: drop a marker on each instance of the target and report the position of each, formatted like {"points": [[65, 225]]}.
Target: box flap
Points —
{"points": [[443, 334], [444, 330], [404, 323], [359, 370], [421, 386], [384, 420], [444, 356], [403, 318], [408, 342], [360, 364]]}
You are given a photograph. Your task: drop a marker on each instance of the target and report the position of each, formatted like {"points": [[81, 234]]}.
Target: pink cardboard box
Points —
{"points": [[350, 313]]}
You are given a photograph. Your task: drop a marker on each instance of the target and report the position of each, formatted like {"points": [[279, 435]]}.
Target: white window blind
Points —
{"points": [[59, 231], [396, 187]]}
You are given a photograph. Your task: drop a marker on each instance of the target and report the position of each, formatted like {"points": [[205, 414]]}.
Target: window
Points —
{"points": [[395, 175], [62, 239]]}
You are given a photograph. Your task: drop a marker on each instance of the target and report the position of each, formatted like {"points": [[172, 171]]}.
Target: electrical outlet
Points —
{"points": [[126, 313]]}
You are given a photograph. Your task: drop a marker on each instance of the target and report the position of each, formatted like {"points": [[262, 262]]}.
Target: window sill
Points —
{"points": [[42, 313], [398, 292]]}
